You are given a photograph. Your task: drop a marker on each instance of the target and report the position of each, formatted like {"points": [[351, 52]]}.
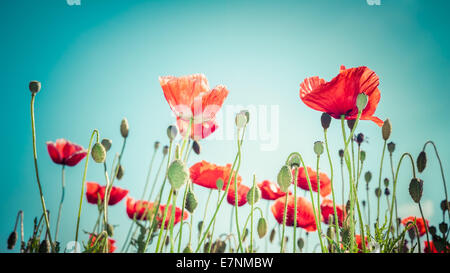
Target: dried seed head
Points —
{"points": [[124, 128], [106, 142], [262, 227], [172, 132], [421, 161], [368, 176], [196, 147], [386, 182], [165, 150], [156, 145], [12, 240], [325, 119], [98, 153], [362, 156], [351, 123], [318, 148], [34, 86], [120, 172], [416, 189], [386, 130], [341, 153], [378, 192], [361, 101], [391, 147]]}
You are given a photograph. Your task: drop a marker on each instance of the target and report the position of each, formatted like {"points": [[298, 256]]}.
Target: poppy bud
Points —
{"points": [[444, 205], [387, 192], [98, 153], [12, 240], [120, 172], [378, 192], [362, 156], [368, 176], [300, 243], [325, 119], [386, 182], [172, 132], [245, 234], [412, 233], [44, 247], [416, 189], [177, 152], [347, 206], [361, 101], [188, 249], [34, 86], [199, 226], [177, 174], [294, 161], [330, 232], [364, 203], [391, 147], [253, 195], [247, 115], [359, 138], [432, 230], [196, 147], [167, 241], [241, 120], [165, 150], [110, 230], [284, 178], [219, 184], [318, 148], [191, 201], [351, 123], [156, 145], [124, 128], [443, 227], [106, 142], [272, 235], [262, 227], [218, 246], [341, 153], [421, 161], [386, 130]]}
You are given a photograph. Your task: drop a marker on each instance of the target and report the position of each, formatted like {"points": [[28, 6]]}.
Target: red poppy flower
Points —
{"points": [[327, 210], [431, 248], [338, 96], [242, 195], [325, 182], [270, 191], [305, 213], [177, 218], [206, 174], [359, 243], [65, 152], [138, 208], [189, 97], [111, 243], [419, 222], [94, 190]]}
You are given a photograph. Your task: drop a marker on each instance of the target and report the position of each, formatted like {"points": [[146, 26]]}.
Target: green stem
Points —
{"points": [[295, 210], [379, 181], [236, 193], [182, 216], [204, 215], [63, 187], [163, 223], [214, 226], [284, 221]]}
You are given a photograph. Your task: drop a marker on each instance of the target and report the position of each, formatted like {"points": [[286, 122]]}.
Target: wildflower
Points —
{"points": [[206, 174], [65, 152], [94, 190], [270, 191], [305, 214], [325, 183], [111, 243], [408, 223], [327, 210], [143, 209], [242, 195]]}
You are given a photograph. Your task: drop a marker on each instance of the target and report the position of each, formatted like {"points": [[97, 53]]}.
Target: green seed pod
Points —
{"points": [[120, 172], [443, 227], [318, 148], [368, 176], [177, 174], [196, 147], [284, 178], [262, 227], [272, 235], [391, 147], [378, 192], [253, 195], [124, 128], [361, 101], [386, 182], [241, 120], [106, 142], [351, 123], [300, 243], [172, 132], [219, 184], [188, 249], [12, 239], [98, 153], [421, 161], [156, 145], [325, 119], [416, 189], [191, 201], [110, 230], [165, 150], [34, 86], [362, 156], [386, 130]]}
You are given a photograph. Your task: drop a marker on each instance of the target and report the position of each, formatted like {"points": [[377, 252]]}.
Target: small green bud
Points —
{"points": [[272, 235], [443, 227], [110, 230], [361, 101], [12, 240], [300, 243], [445, 205], [391, 147], [284, 178], [219, 184], [386, 182], [172, 132], [386, 129], [196, 147], [341, 153], [351, 123], [120, 172], [416, 189], [98, 153], [177, 174], [191, 201], [294, 161], [325, 119], [421, 161], [368, 176], [124, 128], [262, 227], [188, 249], [378, 192], [362, 156], [432, 230], [253, 195], [318, 148], [34, 86], [107, 143]]}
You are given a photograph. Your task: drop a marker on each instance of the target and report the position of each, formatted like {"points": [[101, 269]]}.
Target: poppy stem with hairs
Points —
{"points": [[236, 192], [214, 225], [204, 215], [284, 221], [295, 211], [336, 221], [379, 179], [44, 209], [395, 202], [319, 227], [252, 205], [83, 182], [63, 187], [163, 222], [172, 220]]}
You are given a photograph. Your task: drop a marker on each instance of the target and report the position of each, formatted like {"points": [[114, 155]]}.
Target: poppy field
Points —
{"points": [[303, 200]]}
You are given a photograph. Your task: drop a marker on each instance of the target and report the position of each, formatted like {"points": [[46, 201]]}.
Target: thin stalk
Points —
{"points": [[163, 223], [204, 215], [214, 226], [182, 215], [284, 221], [295, 209], [63, 187], [379, 180], [236, 193]]}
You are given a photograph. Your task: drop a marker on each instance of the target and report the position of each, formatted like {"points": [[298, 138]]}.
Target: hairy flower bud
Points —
{"points": [[359, 138], [188, 249], [107, 143], [362, 156], [196, 147], [110, 230], [386, 129], [12, 240], [124, 128], [445, 205], [284, 178], [361, 101], [300, 243], [386, 182], [351, 123], [318, 148], [120, 172], [272, 235], [341, 153], [98, 153], [172, 132], [368, 176], [325, 119], [253, 195], [416, 189], [432, 230], [421, 161], [177, 174], [391, 147], [34, 86], [191, 201], [378, 192], [387, 192], [262, 227], [241, 120], [443, 227]]}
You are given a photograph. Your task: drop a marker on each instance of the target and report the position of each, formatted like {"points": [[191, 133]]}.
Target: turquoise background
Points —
{"points": [[100, 61]]}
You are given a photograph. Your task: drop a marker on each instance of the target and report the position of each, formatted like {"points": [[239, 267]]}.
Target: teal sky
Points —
{"points": [[100, 61]]}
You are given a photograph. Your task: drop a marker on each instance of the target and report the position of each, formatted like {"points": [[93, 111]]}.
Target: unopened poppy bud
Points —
{"points": [[341, 153], [165, 150], [156, 145], [318, 148], [12, 240], [386, 130], [247, 115], [196, 147], [364, 203], [199, 226], [191, 201], [245, 234], [177, 152], [98, 153], [284, 178], [262, 227], [272, 235], [351, 123], [188, 249], [330, 232], [387, 192], [432, 230], [386, 182], [391, 147], [120, 172], [124, 128], [368, 176], [361, 101], [106, 142], [347, 206], [362, 156], [300, 243], [325, 119], [444, 205], [294, 161], [241, 120], [110, 230], [412, 233], [443, 227], [172, 132], [421, 161], [34, 86], [44, 247], [177, 174], [219, 184], [416, 189], [167, 241], [253, 195], [378, 192]]}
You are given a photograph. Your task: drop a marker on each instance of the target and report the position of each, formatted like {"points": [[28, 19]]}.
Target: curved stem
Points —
{"points": [[63, 187], [284, 222], [236, 193], [379, 180]]}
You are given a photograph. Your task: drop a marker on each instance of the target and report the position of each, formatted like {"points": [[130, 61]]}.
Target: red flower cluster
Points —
{"points": [[359, 242], [206, 174], [305, 213], [302, 182], [111, 243], [409, 221], [327, 210], [270, 191], [94, 190], [242, 195], [65, 152]]}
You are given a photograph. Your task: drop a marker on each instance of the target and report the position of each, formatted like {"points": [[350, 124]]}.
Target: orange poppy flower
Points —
{"points": [[206, 174], [270, 191], [302, 182], [327, 210], [242, 195], [94, 190], [408, 223], [338, 96], [111, 243], [305, 213]]}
